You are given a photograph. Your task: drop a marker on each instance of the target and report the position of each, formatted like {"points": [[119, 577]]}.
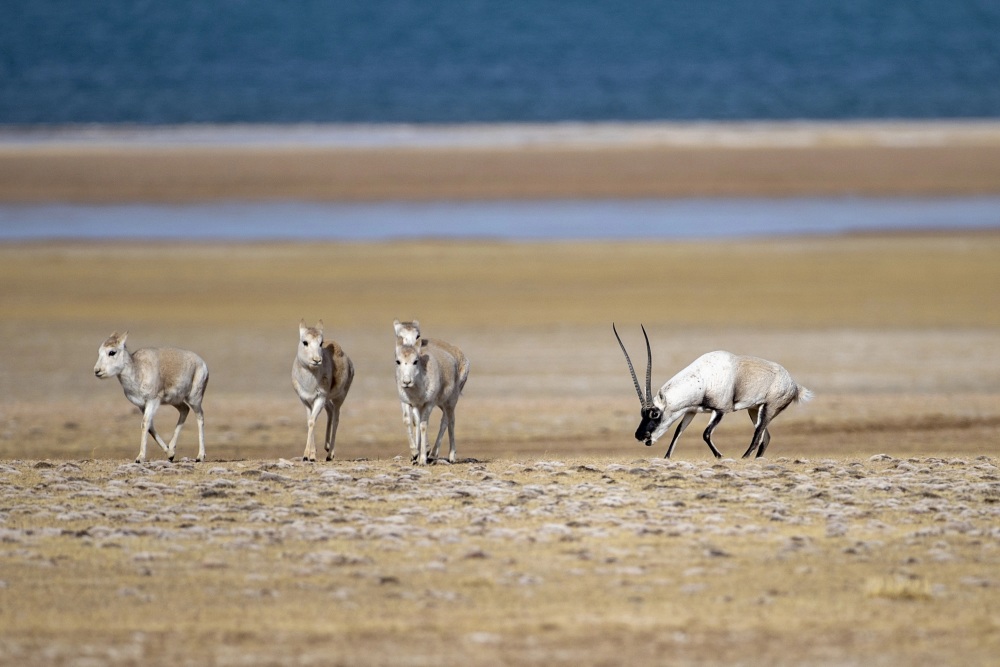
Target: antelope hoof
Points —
{"points": [[648, 443], [329, 457]]}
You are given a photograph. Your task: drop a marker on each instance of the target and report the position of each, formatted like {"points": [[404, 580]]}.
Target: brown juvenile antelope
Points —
{"points": [[716, 382], [322, 376], [408, 333], [429, 373], [152, 376]]}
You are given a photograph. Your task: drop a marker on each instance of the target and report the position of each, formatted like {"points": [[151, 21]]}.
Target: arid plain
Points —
{"points": [[868, 535]]}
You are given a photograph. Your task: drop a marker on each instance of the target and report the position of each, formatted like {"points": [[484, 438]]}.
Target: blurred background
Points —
{"points": [[811, 181], [433, 61], [192, 102]]}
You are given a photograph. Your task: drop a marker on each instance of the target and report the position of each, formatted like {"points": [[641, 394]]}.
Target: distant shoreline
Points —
{"points": [[568, 134], [198, 163]]}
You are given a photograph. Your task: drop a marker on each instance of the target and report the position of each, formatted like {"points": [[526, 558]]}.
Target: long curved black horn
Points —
{"points": [[649, 370], [638, 389]]}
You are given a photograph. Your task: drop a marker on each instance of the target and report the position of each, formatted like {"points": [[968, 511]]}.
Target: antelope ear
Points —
{"points": [[319, 327], [416, 324], [302, 326], [396, 326], [122, 337]]}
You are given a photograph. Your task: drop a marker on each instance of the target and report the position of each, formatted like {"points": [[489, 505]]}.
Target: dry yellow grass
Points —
{"points": [[891, 282], [898, 334], [559, 544], [570, 561]]}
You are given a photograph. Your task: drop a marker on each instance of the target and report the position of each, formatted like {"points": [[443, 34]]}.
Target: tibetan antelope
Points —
{"points": [[429, 375], [716, 382], [408, 333], [322, 376], [152, 376]]}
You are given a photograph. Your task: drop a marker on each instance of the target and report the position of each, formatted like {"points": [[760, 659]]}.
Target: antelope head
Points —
{"points": [[310, 352], [410, 364], [111, 356], [650, 414]]}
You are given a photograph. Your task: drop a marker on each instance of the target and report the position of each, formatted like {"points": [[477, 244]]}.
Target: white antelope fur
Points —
{"points": [[721, 382], [717, 382], [408, 333], [429, 373], [152, 376], [322, 375]]}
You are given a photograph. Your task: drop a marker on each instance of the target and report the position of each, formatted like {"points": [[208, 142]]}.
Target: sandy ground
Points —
{"points": [[867, 535], [571, 161], [898, 337], [541, 561]]}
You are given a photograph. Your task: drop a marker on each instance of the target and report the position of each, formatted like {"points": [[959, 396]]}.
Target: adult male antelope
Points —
{"points": [[716, 382]]}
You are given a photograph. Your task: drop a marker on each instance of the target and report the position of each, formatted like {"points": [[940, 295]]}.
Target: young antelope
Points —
{"points": [[322, 376], [152, 376], [427, 376]]}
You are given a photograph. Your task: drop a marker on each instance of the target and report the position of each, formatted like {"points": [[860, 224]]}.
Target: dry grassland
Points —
{"points": [[570, 561], [559, 540]]}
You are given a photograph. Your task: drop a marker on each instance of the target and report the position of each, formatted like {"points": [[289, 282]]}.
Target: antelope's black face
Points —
{"points": [[650, 422]]}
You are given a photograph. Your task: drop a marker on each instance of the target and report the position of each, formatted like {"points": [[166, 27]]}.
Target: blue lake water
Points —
{"points": [[505, 220], [435, 61]]}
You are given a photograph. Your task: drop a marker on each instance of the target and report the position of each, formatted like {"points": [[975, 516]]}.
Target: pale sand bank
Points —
{"points": [[788, 134]]}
